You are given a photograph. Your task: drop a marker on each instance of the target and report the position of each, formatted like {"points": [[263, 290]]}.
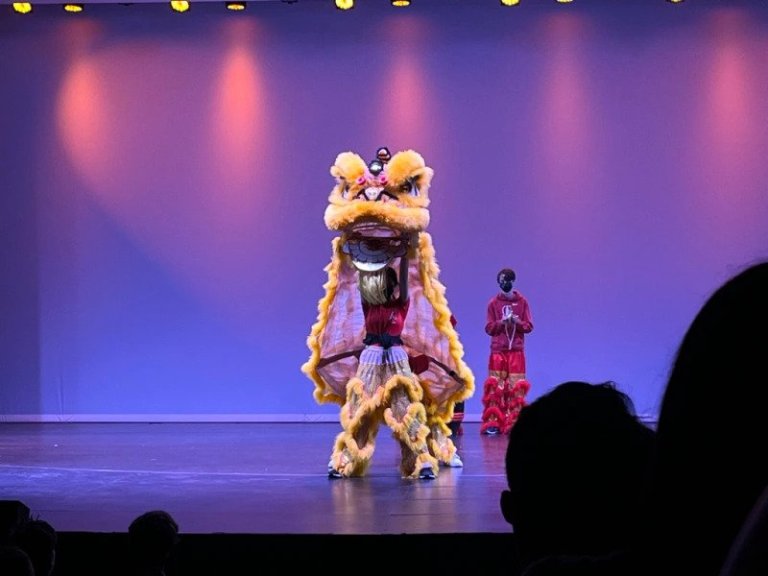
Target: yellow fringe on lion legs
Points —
{"points": [[348, 458], [360, 418], [406, 416], [440, 443]]}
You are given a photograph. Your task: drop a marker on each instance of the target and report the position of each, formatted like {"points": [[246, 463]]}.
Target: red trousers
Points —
{"points": [[504, 390]]}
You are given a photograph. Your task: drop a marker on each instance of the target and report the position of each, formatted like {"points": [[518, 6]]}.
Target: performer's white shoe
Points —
{"points": [[456, 462]]}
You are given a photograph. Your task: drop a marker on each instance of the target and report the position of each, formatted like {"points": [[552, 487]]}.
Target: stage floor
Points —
{"points": [[241, 478]]}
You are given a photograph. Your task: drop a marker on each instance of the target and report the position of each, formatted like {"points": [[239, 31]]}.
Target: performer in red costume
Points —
{"points": [[508, 320]]}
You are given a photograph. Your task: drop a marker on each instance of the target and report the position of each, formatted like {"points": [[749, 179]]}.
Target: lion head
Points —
{"points": [[378, 206]]}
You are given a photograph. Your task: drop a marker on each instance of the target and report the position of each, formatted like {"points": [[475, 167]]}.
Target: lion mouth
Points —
{"points": [[372, 246]]}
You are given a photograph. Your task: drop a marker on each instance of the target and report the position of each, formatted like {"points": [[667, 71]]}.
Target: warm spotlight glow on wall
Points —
{"points": [[22, 7], [73, 7], [180, 5], [675, 1], [564, 1], [401, 2], [345, 4], [236, 6], [510, 2]]}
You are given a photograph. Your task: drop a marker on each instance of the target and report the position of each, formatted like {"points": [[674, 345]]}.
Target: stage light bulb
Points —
{"points": [[73, 7], [510, 2], [345, 4], [180, 5], [22, 7], [401, 2], [236, 6]]}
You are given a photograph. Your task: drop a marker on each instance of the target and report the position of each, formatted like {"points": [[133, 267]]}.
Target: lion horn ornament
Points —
{"points": [[380, 211]]}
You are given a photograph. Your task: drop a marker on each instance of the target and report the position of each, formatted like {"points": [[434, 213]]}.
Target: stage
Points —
{"points": [[234, 484]]}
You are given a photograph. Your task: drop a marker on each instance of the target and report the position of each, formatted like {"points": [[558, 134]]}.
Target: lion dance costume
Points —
{"points": [[381, 212]]}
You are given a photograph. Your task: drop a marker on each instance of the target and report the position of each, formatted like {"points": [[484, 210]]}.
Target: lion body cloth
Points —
{"points": [[380, 211]]}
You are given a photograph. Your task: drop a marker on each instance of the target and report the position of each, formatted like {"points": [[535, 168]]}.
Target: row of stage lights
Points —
{"points": [[176, 5], [183, 5]]}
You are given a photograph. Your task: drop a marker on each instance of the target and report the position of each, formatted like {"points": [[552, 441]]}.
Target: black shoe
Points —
{"points": [[426, 473], [333, 473]]}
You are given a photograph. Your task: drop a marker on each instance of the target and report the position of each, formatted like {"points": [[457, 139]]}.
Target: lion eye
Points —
{"points": [[408, 187]]}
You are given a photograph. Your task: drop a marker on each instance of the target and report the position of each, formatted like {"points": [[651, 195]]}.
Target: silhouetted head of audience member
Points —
{"points": [[38, 539], [748, 555], [14, 561], [577, 465], [13, 514], [152, 537], [713, 427]]}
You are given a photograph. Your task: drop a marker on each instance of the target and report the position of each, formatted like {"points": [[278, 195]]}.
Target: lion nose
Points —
{"points": [[373, 193]]}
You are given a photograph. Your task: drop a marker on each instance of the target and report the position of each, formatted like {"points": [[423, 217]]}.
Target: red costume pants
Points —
{"points": [[504, 391]]}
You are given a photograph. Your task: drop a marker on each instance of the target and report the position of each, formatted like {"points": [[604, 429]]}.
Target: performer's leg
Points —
{"points": [[407, 417], [355, 444], [515, 389], [441, 444], [456, 421], [492, 418], [515, 400], [442, 437], [456, 429]]}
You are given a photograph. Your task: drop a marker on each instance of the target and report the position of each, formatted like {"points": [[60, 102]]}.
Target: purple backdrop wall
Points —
{"points": [[164, 176]]}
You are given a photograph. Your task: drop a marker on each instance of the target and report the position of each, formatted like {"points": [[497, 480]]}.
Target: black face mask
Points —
{"points": [[505, 284]]}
